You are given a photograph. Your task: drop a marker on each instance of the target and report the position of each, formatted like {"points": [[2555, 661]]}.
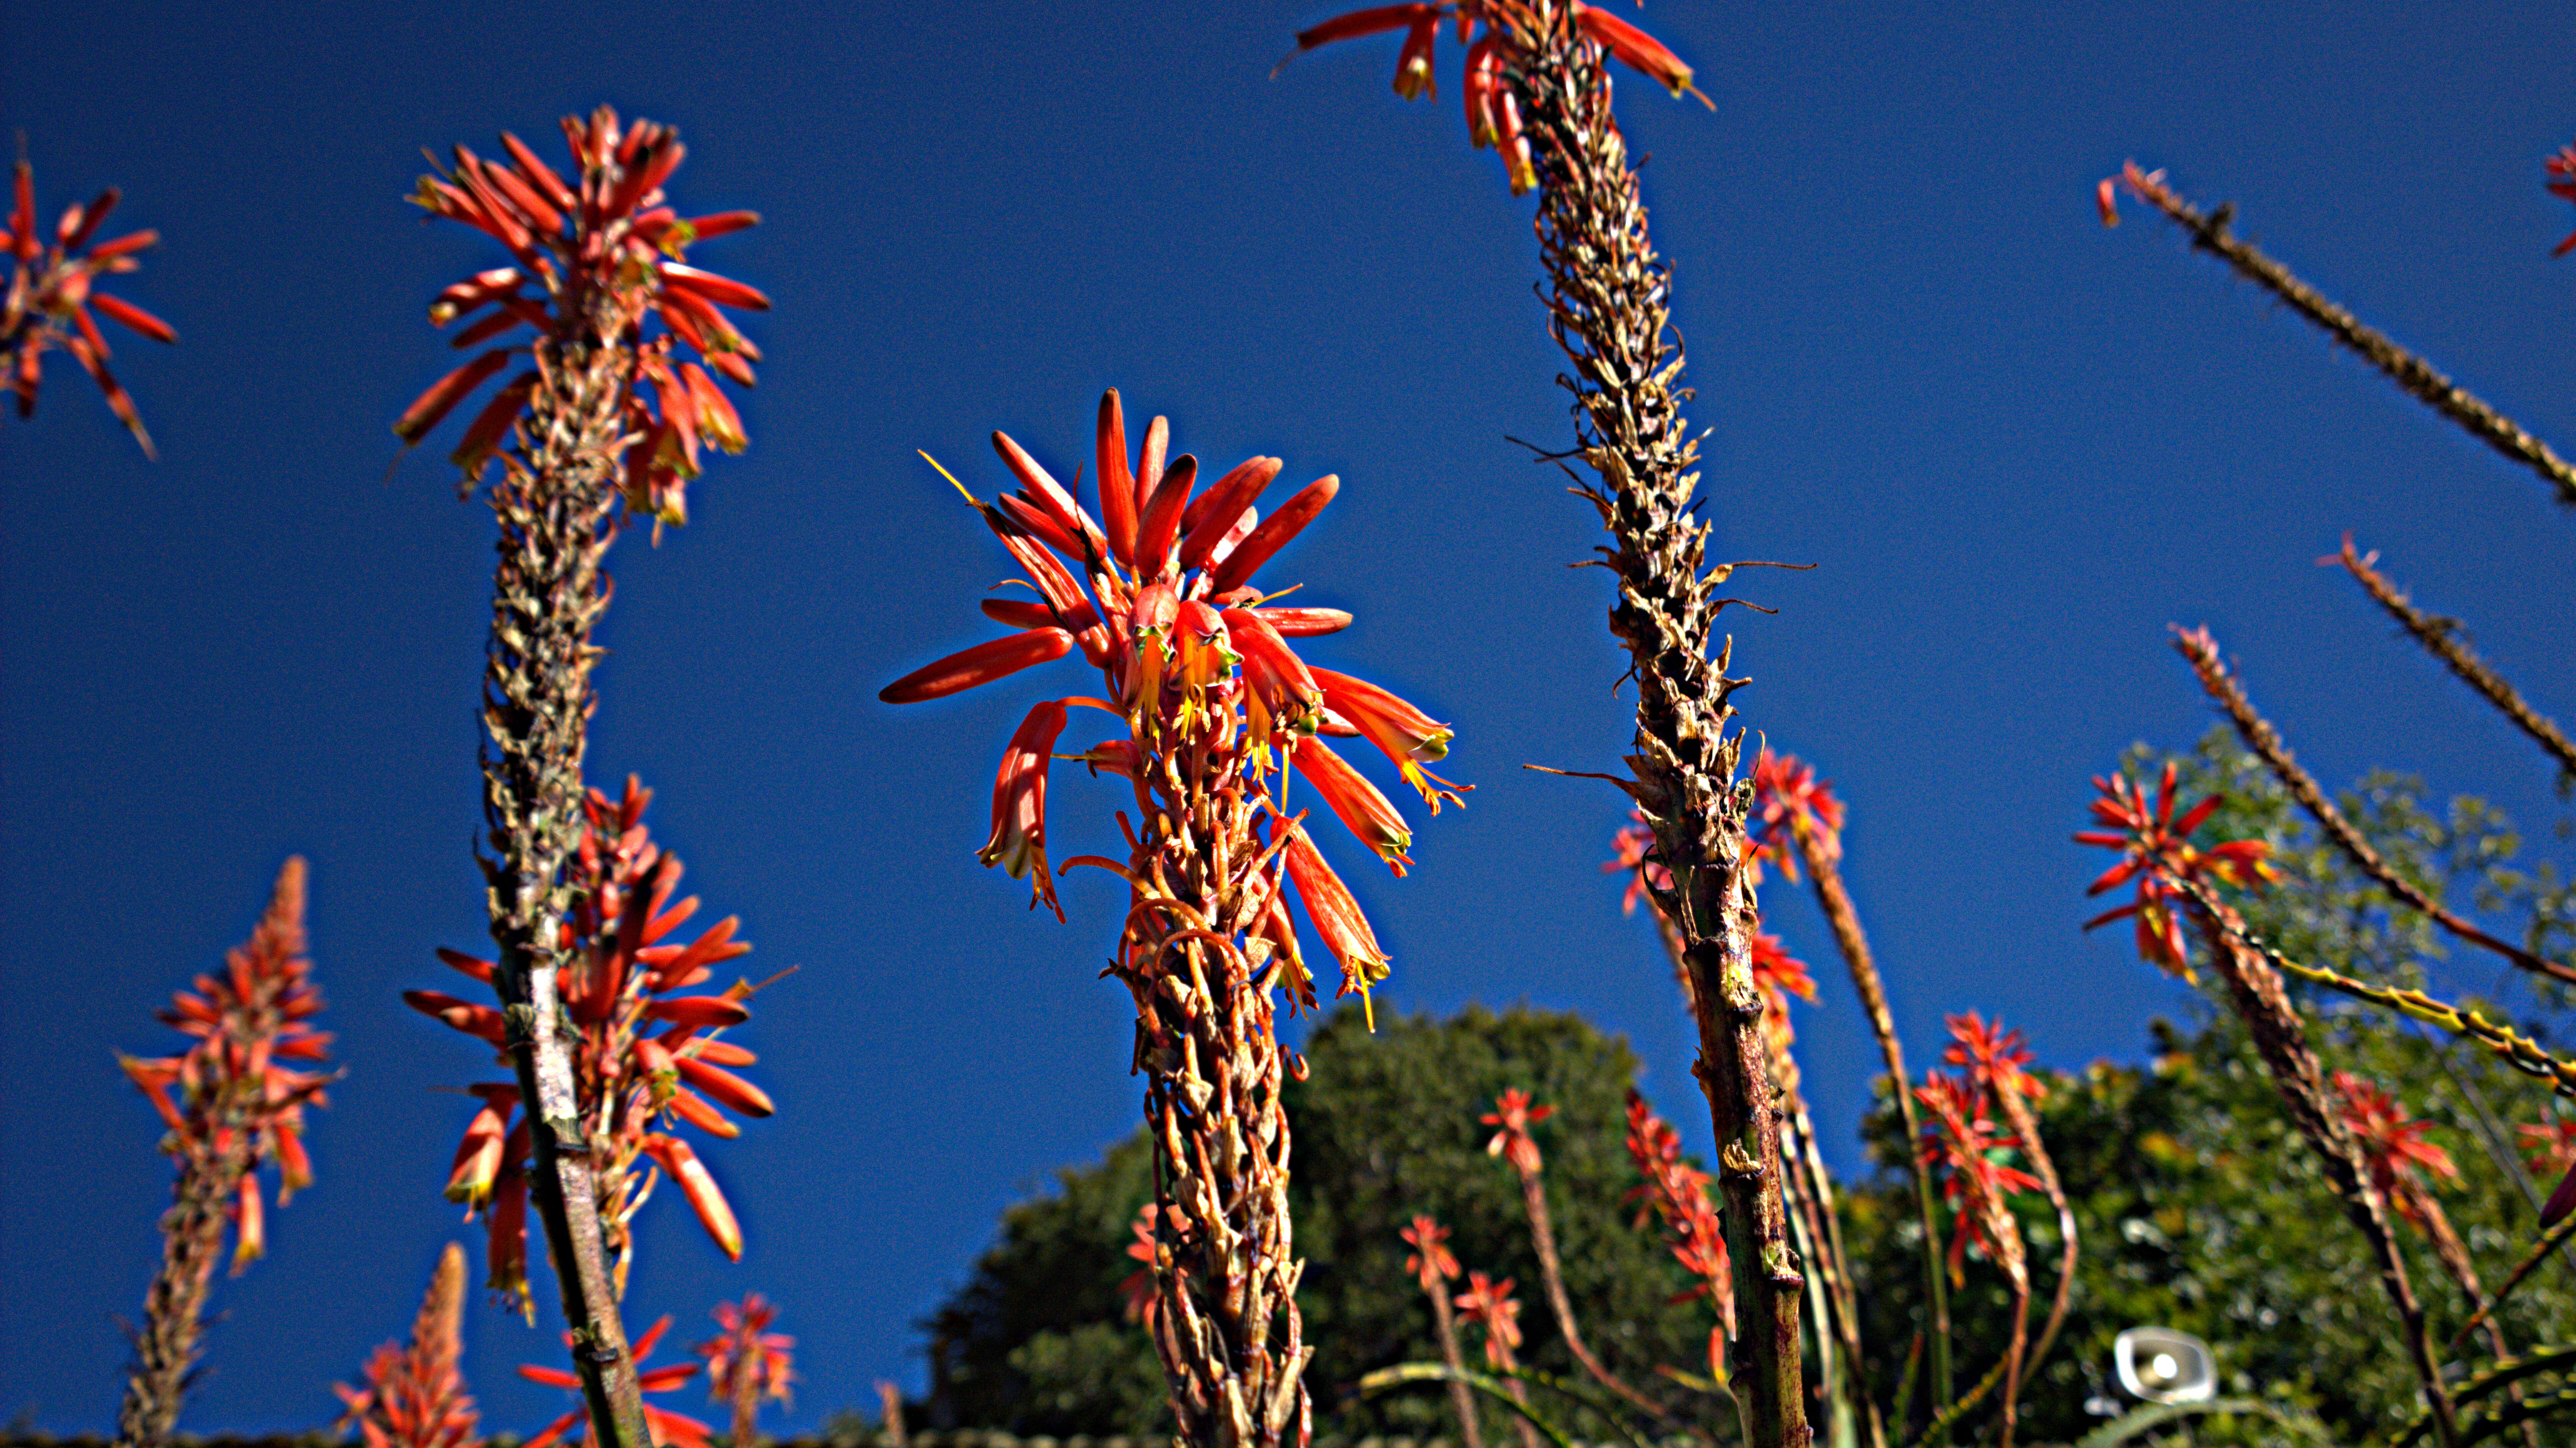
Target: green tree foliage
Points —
{"points": [[1385, 1127], [2201, 1209]]}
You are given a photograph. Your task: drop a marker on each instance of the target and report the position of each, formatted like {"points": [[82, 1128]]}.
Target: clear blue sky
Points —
{"points": [[2018, 447]]}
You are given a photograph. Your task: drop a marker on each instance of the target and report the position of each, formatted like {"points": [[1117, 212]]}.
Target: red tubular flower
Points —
{"points": [[2562, 183], [1216, 708], [1493, 117], [2393, 1145], [1960, 1139], [52, 297], [1406, 735], [672, 1430], [598, 261], [1018, 842], [648, 1052], [747, 1364], [2155, 850], [1789, 801], [1514, 1115], [1677, 1193], [1430, 1262], [1992, 1057], [1489, 1305]]}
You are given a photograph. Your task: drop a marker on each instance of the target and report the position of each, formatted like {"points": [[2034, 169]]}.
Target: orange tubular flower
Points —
{"points": [[414, 1396], [597, 261], [1216, 708], [53, 297], [1407, 735], [1514, 1116], [1489, 1305], [647, 1053], [2155, 850], [1493, 116]]}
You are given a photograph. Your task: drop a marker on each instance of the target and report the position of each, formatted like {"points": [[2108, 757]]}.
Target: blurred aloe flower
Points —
{"points": [[53, 300], [233, 1101], [1215, 712], [669, 1429], [415, 1395], [747, 1364]]}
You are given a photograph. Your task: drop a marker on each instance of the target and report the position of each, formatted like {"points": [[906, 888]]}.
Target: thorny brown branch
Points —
{"points": [[2210, 232], [1607, 295]]}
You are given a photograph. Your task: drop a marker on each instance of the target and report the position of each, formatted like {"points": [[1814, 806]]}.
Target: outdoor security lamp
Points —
{"points": [[2163, 1366]]}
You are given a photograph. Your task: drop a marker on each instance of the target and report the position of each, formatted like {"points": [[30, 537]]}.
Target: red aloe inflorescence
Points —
{"points": [[669, 1429], [232, 1102], [647, 1056], [2155, 849], [414, 1395], [1676, 1193], [1995, 1062], [596, 260], [747, 1364], [604, 412], [53, 300], [1512, 1117], [1217, 711], [1434, 1266], [1493, 112], [2562, 183], [1960, 1138]]}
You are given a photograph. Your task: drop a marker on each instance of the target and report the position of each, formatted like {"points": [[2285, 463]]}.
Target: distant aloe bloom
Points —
{"points": [[1676, 1193], [1791, 804], [1215, 711], [1489, 1305], [53, 299], [2562, 183], [668, 1428], [596, 259], [2398, 1148], [1960, 1139], [747, 1364], [648, 1057], [1493, 116], [414, 1395], [231, 1103], [2155, 847]]}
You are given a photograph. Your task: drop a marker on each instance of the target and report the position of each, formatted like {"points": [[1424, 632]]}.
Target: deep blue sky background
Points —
{"points": [[2018, 447]]}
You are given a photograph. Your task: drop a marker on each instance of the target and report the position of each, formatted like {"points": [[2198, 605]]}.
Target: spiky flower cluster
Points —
{"points": [[53, 294], [2398, 1149], [414, 1395], [238, 1103], [1676, 1193], [2156, 850], [646, 1057], [596, 258], [1493, 113], [231, 1102], [747, 1364], [1961, 1142], [1217, 711], [1791, 805]]}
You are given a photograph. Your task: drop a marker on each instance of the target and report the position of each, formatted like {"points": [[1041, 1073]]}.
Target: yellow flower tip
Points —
{"points": [[971, 500]]}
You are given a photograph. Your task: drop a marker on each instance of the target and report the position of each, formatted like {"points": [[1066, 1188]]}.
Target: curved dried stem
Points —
{"points": [[2210, 232], [2200, 650], [2442, 638]]}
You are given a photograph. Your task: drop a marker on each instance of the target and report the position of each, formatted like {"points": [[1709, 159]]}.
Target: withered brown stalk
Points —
{"points": [[2200, 650], [174, 1309], [557, 512], [1608, 297], [1830, 1299], [2025, 1125], [2210, 231], [2442, 638], [1843, 918], [1551, 1273], [2280, 1038]]}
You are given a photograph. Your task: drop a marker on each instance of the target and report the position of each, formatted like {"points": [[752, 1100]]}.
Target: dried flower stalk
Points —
{"points": [[2210, 232], [2200, 649], [601, 408], [238, 1104], [2443, 639]]}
